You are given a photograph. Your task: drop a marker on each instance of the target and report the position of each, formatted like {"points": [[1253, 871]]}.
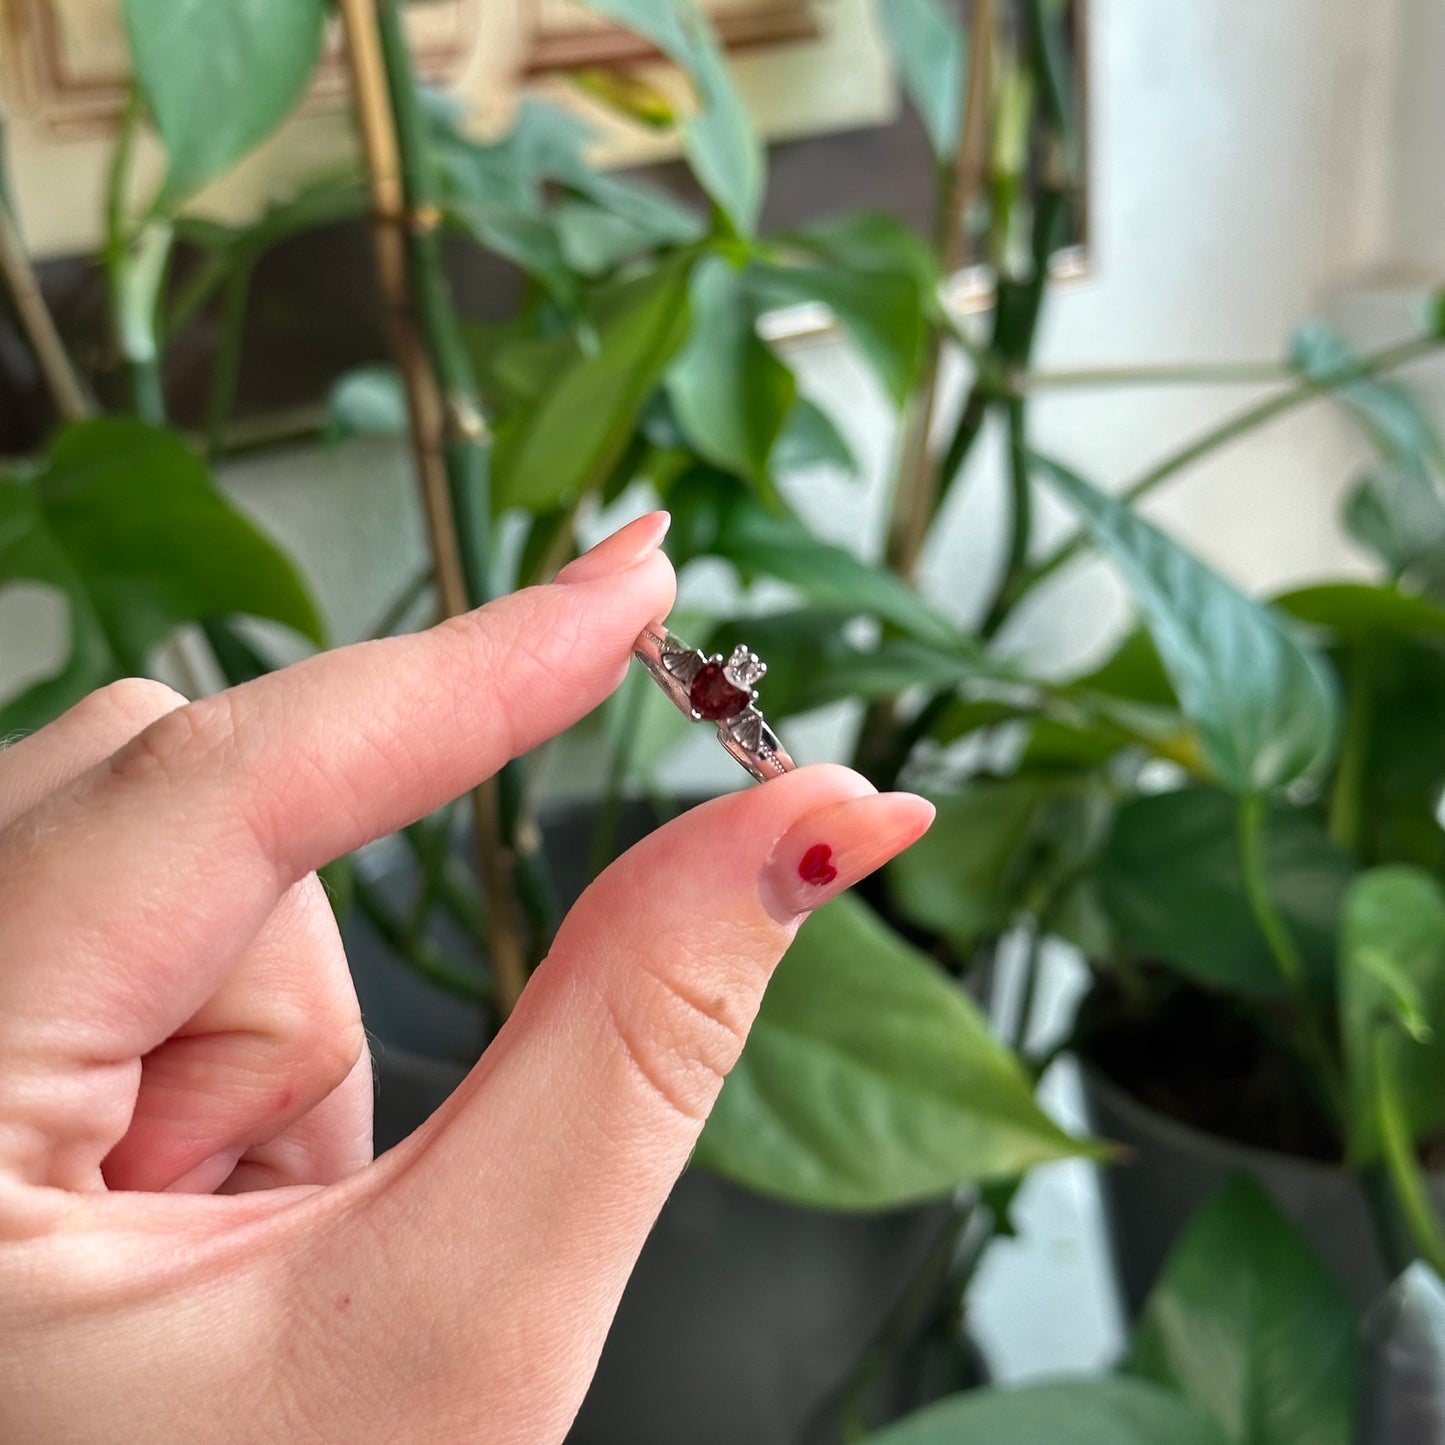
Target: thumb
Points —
{"points": [[527, 1198]]}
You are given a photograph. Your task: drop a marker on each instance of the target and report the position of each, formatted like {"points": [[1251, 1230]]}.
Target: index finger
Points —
{"points": [[125, 896]]}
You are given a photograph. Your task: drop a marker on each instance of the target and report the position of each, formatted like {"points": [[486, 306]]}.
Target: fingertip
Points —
{"points": [[834, 846], [620, 551]]}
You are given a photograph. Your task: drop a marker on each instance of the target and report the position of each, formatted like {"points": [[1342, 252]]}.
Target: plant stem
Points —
{"points": [[197, 289], [428, 960], [604, 836], [227, 365], [1256, 888], [67, 395], [412, 593], [1398, 1145], [908, 1316], [1224, 373], [135, 267], [445, 424], [915, 493], [1029, 985], [919, 484], [1020, 520], [1286, 954], [1237, 426]]}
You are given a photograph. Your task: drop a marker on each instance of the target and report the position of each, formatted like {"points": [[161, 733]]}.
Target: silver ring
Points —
{"points": [[718, 691]]}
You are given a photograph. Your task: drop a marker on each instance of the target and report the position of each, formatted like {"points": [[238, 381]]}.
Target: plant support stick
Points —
{"points": [[427, 411]]}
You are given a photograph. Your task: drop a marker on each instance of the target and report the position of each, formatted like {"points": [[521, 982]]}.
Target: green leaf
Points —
{"points": [[579, 427], [1061, 1412], [714, 516], [813, 661], [872, 242], [1169, 880], [124, 520], [931, 52], [1395, 512], [758, 541], [367, 402], [1263, 703], [1360, 611], [720, 141], [884, 313], [218, 78], [529, 242], [501, 192], [870, 1081], [811, 439], [1392, 960], [1246, 1323], [595, 240], [1389, 412], [730, 394], [1403, 775], [975, 869]]}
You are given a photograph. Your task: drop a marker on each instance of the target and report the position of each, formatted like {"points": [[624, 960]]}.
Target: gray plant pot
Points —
{"points": [[745, 1318], [1170, 1170]]}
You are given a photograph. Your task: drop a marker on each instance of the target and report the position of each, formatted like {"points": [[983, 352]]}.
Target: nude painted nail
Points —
{"points": [[625, 548], [831, 848]]}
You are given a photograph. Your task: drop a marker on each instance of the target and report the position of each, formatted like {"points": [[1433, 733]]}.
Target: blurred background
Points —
{"points": [[1224, 171]]}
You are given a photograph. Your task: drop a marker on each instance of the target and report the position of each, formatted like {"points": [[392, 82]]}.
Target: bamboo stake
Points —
{"points": [[429, 421], [61, 382]]}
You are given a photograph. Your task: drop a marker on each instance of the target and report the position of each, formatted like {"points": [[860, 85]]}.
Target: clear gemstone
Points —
{"points": [[743, 668]]}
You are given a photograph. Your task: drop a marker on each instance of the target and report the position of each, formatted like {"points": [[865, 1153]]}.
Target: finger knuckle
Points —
{"points": [[174, 744], [680, 1038]]}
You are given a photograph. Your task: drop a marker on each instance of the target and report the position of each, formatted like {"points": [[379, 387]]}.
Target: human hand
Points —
{"points": [[194, 1242]]}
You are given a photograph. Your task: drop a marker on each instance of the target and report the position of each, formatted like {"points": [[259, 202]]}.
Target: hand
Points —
{"points": [[194, 1243]]}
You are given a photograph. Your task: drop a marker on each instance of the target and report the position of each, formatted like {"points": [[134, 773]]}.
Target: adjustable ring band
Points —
{"points": [[719, 691]]}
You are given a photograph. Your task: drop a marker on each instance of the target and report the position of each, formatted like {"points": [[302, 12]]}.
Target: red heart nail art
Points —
{"points": [[815, 866]]}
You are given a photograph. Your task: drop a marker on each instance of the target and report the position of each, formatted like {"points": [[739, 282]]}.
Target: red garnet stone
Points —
{"points": [[713, 696]]}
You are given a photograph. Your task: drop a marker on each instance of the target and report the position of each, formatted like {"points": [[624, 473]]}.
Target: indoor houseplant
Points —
{"points": [[636, 355]]}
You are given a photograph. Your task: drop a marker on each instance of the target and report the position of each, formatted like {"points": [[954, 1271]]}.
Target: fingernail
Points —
{"points": [[625, 548], [832, 848]]}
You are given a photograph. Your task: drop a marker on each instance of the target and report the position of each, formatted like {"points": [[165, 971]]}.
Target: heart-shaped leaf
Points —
{"points": [[1263, 702], [870, 1080], [579, 427], [730, 394], [714, 516], [124, 520], [882, 312], [1169, 879], [721, 143], [1246, 1323], [218, 78]]}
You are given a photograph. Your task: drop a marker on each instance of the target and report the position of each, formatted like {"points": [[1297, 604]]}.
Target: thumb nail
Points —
{"points": [[625, 548], [830, 849]]}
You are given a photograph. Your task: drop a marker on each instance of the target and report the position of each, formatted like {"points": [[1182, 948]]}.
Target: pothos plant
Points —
{"points": [[636, 359], [634, 356]]}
